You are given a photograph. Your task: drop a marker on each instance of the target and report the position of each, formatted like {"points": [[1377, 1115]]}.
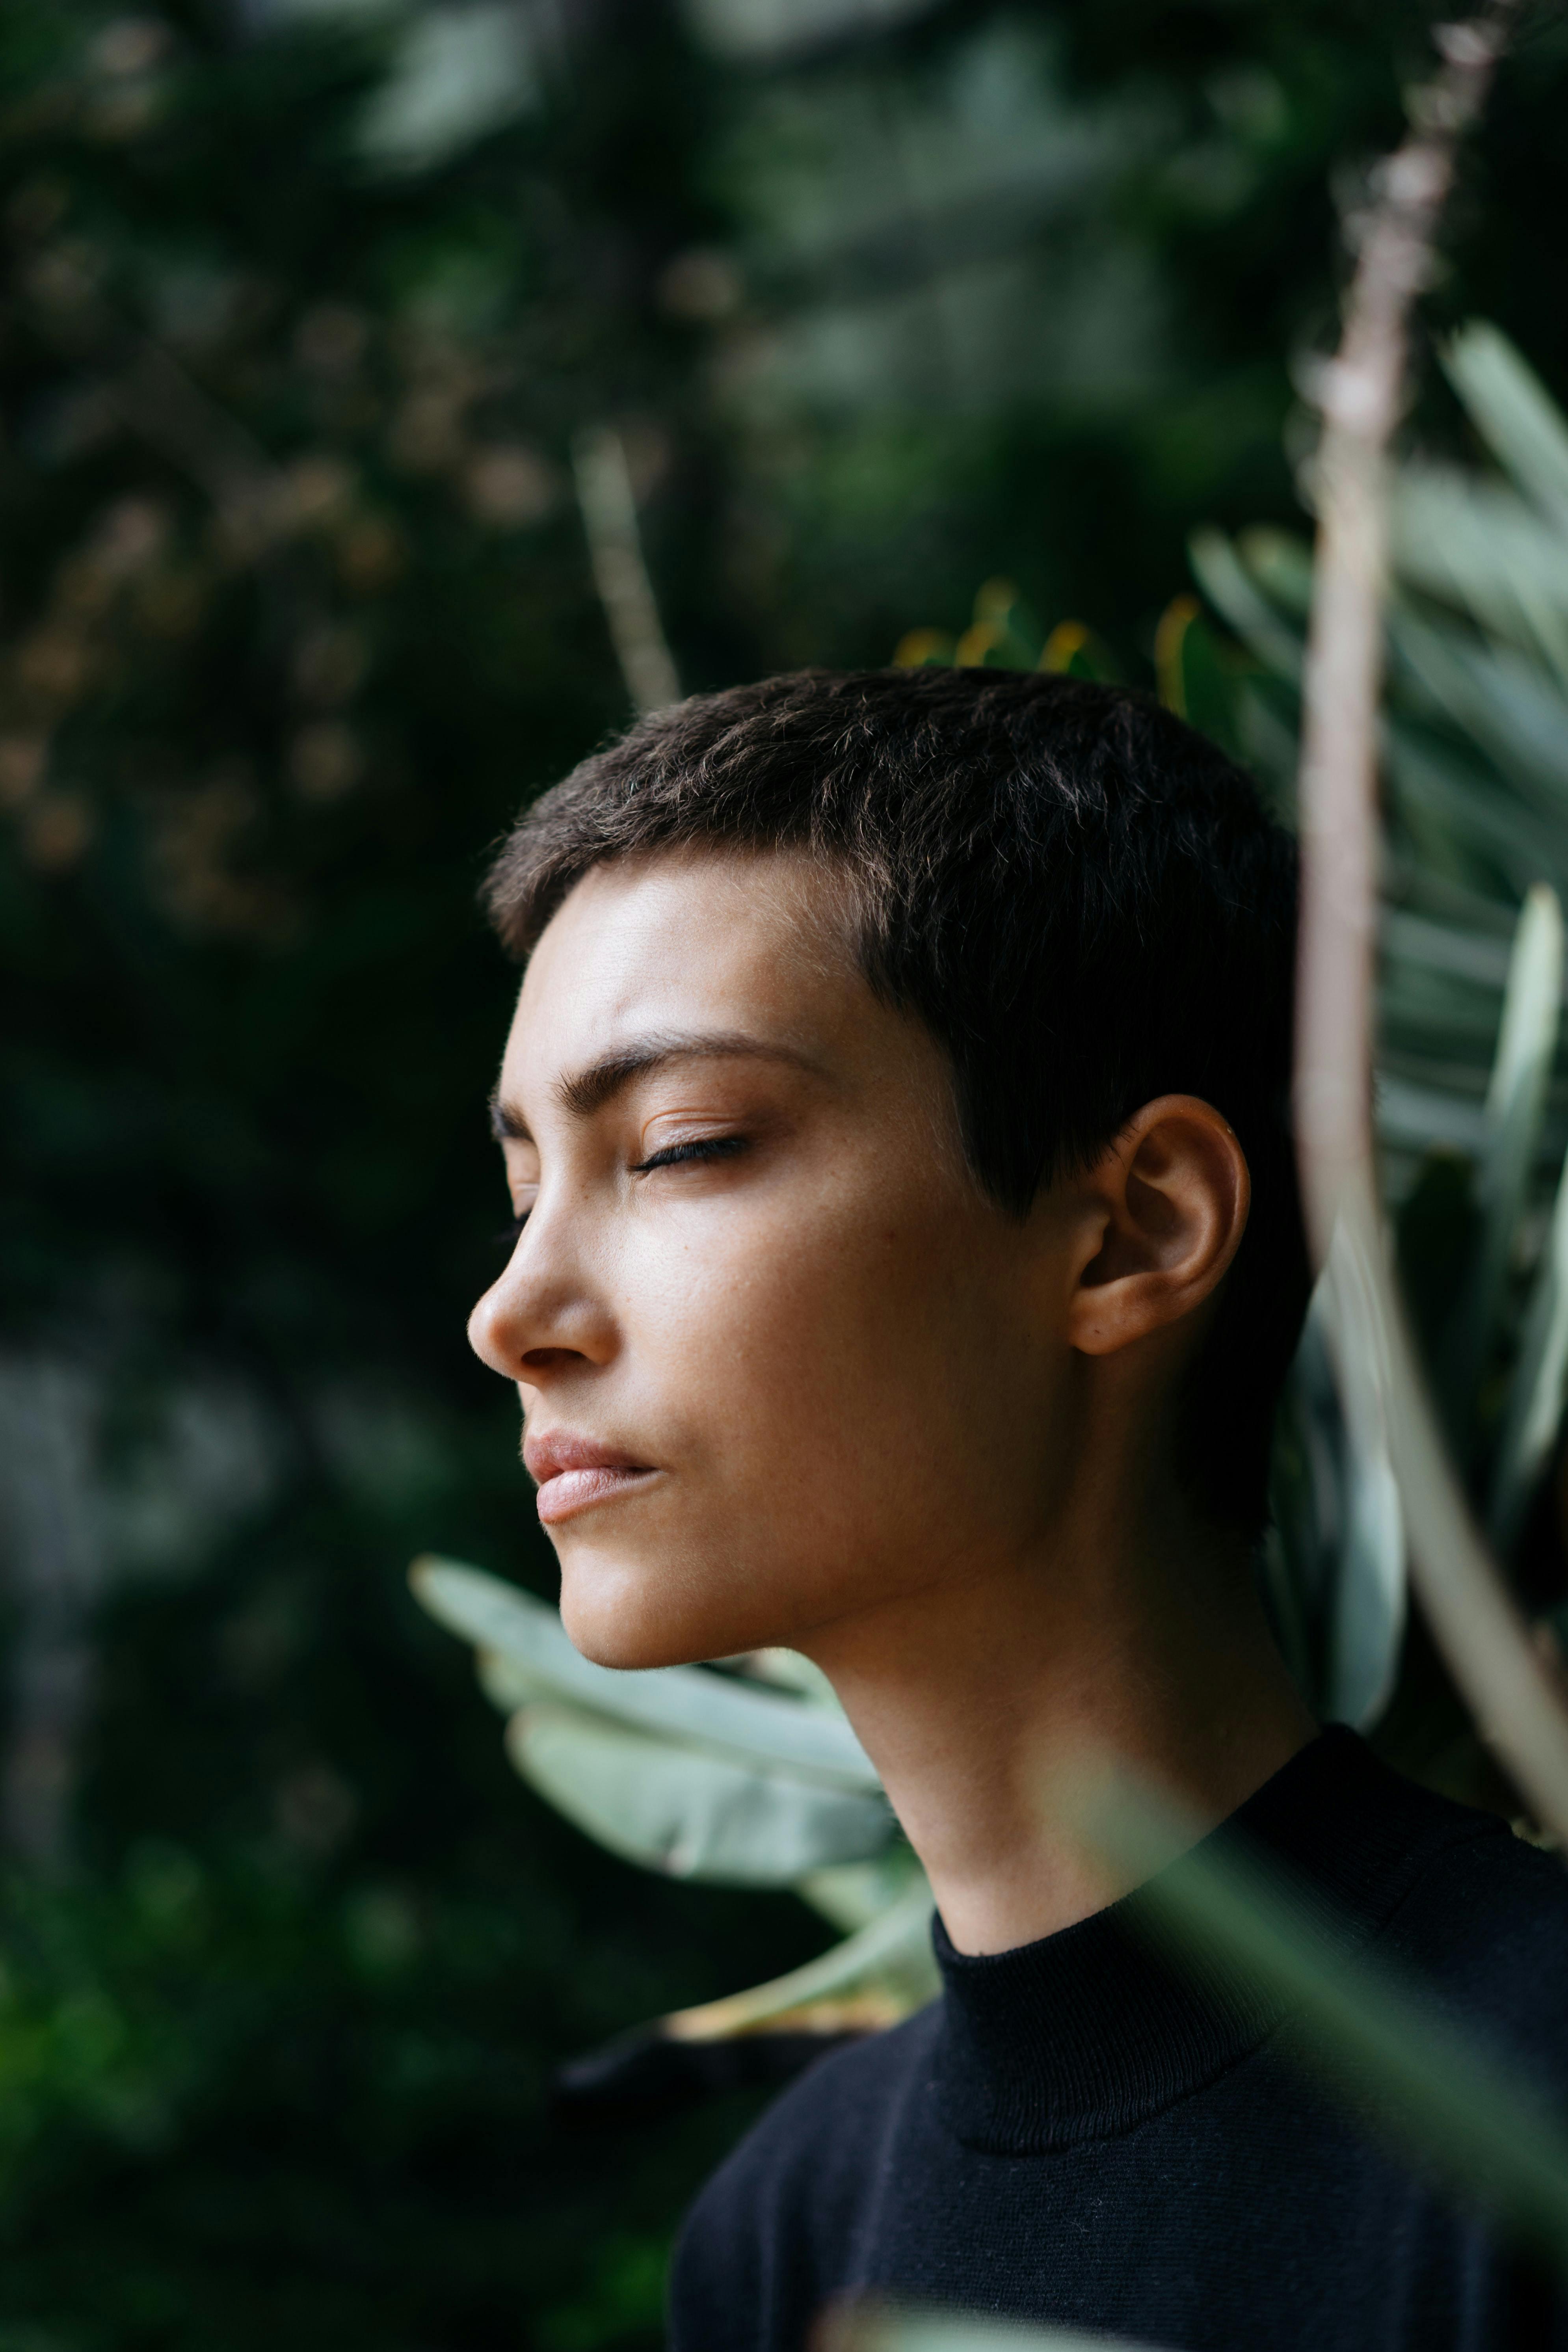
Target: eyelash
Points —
{"points": [[714, 1147]]}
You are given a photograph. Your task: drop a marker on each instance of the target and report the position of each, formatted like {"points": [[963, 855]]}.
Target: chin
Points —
{"points": [[648, 1613]]}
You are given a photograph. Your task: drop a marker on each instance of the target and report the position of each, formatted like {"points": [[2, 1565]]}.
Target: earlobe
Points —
{"points": [[1171, 1197]]}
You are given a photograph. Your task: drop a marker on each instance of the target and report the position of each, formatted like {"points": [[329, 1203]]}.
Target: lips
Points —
{"points": [[574, 1473]]}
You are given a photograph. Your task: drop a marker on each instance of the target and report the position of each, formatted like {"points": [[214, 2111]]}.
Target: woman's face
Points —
{"points": [[780, 1359]]}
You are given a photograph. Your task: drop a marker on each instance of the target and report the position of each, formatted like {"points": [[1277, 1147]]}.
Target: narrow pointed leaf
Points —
{"points": [[1369, 1606], [1527, 1040], [882, 2327], [1433, 787], [1280, 562], [1536, 1394], [1475, 955], [1467, 2114], [1428, 1118], [1513, 412], [1509, 706], [1224, 580], [1368, 1617], [1479, 547]]}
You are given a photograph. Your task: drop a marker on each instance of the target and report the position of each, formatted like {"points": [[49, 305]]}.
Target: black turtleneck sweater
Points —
{"points": [[1078, 2133]]}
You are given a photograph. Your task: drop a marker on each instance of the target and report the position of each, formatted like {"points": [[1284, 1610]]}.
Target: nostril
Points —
{"points": [[544, 1361]]}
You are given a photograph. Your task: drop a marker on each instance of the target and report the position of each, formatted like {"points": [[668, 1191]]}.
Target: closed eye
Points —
{"points": [[713, 1147]]}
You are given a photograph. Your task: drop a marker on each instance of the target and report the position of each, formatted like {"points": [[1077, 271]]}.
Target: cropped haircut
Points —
{"points": [[1082, 899]]}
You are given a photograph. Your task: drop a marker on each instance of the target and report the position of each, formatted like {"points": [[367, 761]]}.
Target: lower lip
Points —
{"points": [[570, 1491]]}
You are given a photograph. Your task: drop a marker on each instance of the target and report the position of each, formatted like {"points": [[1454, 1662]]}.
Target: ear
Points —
{"points": [[1170, 1201]]}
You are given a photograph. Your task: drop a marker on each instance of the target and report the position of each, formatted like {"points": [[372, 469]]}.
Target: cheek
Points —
{"points": [[850, 1397], [842, 1387]]}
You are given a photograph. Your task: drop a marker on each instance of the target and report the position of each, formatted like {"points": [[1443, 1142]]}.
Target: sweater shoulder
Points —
{"points": [[827, 2121], [784, 2203]]}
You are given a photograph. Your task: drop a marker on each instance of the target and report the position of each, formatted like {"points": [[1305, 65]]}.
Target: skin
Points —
{"points": [[807, 1385]]}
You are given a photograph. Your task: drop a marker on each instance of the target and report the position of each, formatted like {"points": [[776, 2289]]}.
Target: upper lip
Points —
{"points": [[547, 1452]]}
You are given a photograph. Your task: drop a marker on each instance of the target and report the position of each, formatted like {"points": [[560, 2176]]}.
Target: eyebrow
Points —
{"points": [[588, 1090]]}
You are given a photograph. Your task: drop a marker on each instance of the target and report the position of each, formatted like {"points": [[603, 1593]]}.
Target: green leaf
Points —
{"points": [[1367, 1622], [1513, 413], [1195, 679], [1230, 589], [1435, 787], [509, 1682], [687, 1811], [851, 1894], [684, 1703], [1504, 702], [893, 2328], [787, 1670], [1516, 1099], [1074, 651], [1458, 2109], [1281, 561], [1369, 1603], [1428, 1118], [891, 1959], [1475, 955], [1534, 1410], [1267, 726], [1479, 547]]}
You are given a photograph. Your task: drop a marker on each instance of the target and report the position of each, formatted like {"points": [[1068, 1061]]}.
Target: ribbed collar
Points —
{"points": [[1091, 2031]]}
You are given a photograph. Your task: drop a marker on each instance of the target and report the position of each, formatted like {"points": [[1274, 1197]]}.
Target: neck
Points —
{"points": [[976, 1695]]}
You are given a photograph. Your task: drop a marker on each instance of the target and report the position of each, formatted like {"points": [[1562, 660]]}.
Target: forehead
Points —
{"points": [[680, 941]]}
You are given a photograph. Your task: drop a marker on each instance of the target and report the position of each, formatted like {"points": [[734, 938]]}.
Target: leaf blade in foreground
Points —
{"points": [[1455, 2108]]}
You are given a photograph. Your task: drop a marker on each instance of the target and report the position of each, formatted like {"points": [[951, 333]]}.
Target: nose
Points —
{"points": [[544, 1315]]}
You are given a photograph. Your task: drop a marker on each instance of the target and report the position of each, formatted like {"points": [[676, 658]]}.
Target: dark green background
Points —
{"points": [[287, 1954]]}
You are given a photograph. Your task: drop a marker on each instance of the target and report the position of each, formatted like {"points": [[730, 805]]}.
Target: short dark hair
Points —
{"points": [[1082, 897]]}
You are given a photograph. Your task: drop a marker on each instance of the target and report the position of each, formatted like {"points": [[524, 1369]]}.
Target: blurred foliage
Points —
{"points": [[239, 2107], [300, 314]]}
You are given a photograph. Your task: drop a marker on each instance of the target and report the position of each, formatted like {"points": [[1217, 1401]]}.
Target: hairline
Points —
{"points": [[838, 869]]}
